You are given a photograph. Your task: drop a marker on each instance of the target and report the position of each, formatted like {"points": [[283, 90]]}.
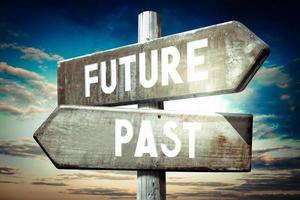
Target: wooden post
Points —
{"points": [[151, 185]]}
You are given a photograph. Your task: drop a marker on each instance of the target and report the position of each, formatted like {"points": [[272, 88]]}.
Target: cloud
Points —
{"points": [[24, 148], [99, 176], [267, 76], [48, 183], [38, 55], [34, 109], [269, 149], [49, 89], [31, 53], [263, 117], [43, 67], [32, 95], [8, 171], [272, 98], [285, 97], [265, 131], [200, 184], [292, 108], [18, 91], [273, 195], [233, 195], [262, 185], [19, 72], [207, 195], [266, 126], [269, 186], [243, 96], [9, 182], [271, 162], [10, 33], [110, 192], [23, 112], [11, 110]]}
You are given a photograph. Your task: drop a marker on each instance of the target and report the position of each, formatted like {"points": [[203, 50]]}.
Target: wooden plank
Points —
{"points": [[231, 58], [76, 137]]}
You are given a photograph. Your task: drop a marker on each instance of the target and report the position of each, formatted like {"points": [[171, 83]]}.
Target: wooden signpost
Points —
{"points": [[218, 59]]}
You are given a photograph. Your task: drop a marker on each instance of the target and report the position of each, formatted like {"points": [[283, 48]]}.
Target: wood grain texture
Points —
{"points": [[232, 57], [151, 185], [76, 137]]}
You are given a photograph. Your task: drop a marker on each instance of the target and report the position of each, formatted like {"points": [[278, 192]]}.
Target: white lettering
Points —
{"points": [[119, 139], [193, 60], [113, 78], [169, 68], [167, 131], [89, 80], [192, 127], [154, 69], [127, 60], [145, 136], [169, 62]]}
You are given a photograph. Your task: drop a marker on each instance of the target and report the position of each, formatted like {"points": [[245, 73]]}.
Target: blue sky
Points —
{"points": [[34, 35]]}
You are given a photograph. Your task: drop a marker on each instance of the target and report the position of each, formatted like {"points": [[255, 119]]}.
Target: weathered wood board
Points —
{"points": [[231, 54], [78, 137]]}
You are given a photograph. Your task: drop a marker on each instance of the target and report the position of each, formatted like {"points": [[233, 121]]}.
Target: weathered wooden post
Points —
{"points": [[150, 184]]}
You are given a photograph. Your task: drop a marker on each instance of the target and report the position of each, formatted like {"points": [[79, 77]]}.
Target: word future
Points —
{"points": [[214, 60], [146, 142], [170, 59]]}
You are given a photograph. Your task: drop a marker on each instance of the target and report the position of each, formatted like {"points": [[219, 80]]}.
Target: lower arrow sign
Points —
{"points": [[77, 137]]}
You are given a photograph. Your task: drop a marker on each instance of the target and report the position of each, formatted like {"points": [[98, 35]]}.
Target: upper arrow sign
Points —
{"points": [[213, 60]]}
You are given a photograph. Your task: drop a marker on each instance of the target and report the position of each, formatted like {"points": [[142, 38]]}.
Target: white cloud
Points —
{"points": [[31, 53], [20, 72], [38, 55], [23, 98], [273, 76], [23, 112], [49, 89], [264, 130], [10, 109], [285, 97], [43, 67], [34, 109], [16, 90], [243, 96], [262, 117]]}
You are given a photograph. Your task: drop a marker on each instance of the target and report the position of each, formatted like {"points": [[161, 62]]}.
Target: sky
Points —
{"points": [[35, 35]]}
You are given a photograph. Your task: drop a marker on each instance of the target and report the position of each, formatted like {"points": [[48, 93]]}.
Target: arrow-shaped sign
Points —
{"points": [[77, 137], [213, 60]]}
